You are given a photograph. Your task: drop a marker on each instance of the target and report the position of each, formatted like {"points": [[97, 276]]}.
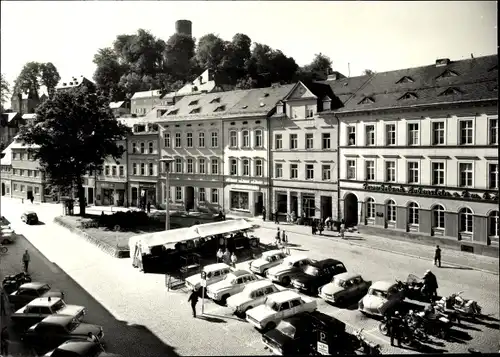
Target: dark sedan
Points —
{"points": [[317, 274], [79, 348], [29, 217], [30, 291]]}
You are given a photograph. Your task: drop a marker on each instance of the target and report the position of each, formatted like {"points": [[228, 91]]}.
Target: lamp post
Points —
{"points": [[167, 160]]}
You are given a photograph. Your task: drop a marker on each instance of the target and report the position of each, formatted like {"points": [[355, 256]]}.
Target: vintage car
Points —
{"points": [[7, 235], [381, 296], [268, 260], [29, 217], [254, 294], [298, 335], [277, 307], [215, 273], [289, 268], [40, 308], [344, 287], [30, 291], [79, 348], [56, 329], [232, 284], [317, 274]]}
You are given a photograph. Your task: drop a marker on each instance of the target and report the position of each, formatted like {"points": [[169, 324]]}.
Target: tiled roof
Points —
{"points": [[72, 82], [261, 101], [155, 93], [7, 157], [116, 105]]}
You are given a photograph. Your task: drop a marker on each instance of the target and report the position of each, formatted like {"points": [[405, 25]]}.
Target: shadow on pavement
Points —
{"points": [[454, 267], [459, 336], [211, 318], [39, 223], [468, 327]]}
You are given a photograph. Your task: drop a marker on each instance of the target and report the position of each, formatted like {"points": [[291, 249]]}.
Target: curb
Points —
{"points": [[391, 251], [106, 248]]}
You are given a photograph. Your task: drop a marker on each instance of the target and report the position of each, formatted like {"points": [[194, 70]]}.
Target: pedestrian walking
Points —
{"points": [[3, 312], [227, 257], [395, 328], [193, 298], [437, 257], [342, 229], [149, 207], [313, 227], [278, 237], [264, 214], [26, 260], [284, 240], [233, 260], [220, 255], [276, 217], [4, 341]]}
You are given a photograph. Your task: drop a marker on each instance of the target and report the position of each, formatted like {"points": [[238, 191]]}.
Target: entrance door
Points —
{"points": [[189, 198], [3, 189], [135, 195], [29, 193], [351, 210], [295, 206], [259, 203], [326, 207], [90, 195]]}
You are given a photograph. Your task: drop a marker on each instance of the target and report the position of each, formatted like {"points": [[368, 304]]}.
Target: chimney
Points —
{"points": [[440, 62], [472, 55], [20, 103]]}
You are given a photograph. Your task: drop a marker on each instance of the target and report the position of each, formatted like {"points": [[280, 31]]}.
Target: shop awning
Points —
{"points": [[224, 227], [166, 238]]}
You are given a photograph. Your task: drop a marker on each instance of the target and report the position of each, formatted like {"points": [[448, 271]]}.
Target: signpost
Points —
{"points": [[323, 343], [203, 287]]}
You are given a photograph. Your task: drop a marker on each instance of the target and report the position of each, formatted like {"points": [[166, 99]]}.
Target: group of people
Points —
{"points": [[281, 240], [226, 257]]}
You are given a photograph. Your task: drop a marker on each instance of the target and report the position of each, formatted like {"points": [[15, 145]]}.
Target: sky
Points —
{"points": [[380, 36]]}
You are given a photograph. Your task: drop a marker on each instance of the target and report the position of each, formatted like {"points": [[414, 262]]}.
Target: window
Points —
{"points": [[466, 132], [293, 141], [370, 135], [201, 139], [234, 167], [178, 193], [258, 138], [438, 173], [351, 135], [106, 170], [214, 139], [438, 133], [201, 194], [189, 140], [178, 141], [15, 187], [29, 173], [258, 167], [390, 134], [189, 166], [438, 216], [309, 113], [351, 169], [391, 211], [35, 173], [294, 171], [326, 141], [151, 169], [134, 168], [326, 172], [278, 170], [413, 213], [215, 195], [166, 140], [143, 148], [278, 141], [21, 172], [390, 171], [466, 220], [493, 176], [178, 165], [413, 134], [239, 200], [466, 174], [113, 170], [215, 167], [151, 147], [370, 208], [309, 141], [493, 224], [201, 166], [143, 169], [309, 172], [493, 131], [246, 167], [370, 170], [246, 139], [37, 190], [413, 172], [233, 139], [122, 171]]}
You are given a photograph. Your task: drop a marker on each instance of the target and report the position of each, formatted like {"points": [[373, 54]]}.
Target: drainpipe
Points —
{"points": [[223, 167], [126, 173], [338, 166], [267, 204]]}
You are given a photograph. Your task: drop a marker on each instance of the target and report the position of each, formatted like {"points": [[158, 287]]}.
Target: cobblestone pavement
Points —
{"points": [[142, 299]]}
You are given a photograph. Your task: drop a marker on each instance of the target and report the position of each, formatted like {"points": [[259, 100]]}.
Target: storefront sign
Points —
{"points": [[419, 191], [107, 185], [322, 345], [147, 185]]}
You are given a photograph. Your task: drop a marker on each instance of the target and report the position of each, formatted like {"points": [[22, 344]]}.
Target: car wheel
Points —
{"points": [[285, 281], [339, 301], [270, 326], [384, 330], [223, 299], [5, 242]]}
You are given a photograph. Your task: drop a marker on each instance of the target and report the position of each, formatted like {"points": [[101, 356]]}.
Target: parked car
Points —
{"points": [[7, 236], [215, 273], [79, 348], [344, 287], [317, 274], [381, 296], [288, 269], [277, 307], [56, 329], [38, 309], [268, 260], [29, 217], [232, 284], [30, 291], [254, 294], [298, 335]]}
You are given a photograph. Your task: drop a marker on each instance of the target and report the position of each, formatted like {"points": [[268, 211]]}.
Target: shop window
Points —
{"points": [[370, 208], [239, 200], [438, 216], [413, 213], [215, 195], [308, 206], [391, 211], [493, 226]]}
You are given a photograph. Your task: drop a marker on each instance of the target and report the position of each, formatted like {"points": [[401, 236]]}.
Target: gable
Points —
{"points": [[405, 79], [408, 95], [451, 91], [446, 74], [367, 100], [301, 92]]}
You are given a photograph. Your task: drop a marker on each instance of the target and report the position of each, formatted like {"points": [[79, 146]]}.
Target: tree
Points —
{"points": [[318, 69], [108, 73], [237, 55], [179, 56], [368, 72], [210, 52], [35, 74], [49, 77], [4, 90], [75, 131]]}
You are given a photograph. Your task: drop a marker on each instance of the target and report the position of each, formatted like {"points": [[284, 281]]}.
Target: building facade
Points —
{"points": [[26, 179], [142, 103], [6, 172], [111, 182]]}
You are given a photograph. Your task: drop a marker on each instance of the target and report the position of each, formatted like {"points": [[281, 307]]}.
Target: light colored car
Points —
{"points": [[289, 267], [254, 294], [7, 236], [344, 287], [268, 260], [381, 296], [215, 273], [232, 284], [277, 307]]}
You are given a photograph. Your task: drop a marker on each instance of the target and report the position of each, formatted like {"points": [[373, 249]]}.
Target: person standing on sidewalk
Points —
{"points": [[3, 312], [4, 341], [277, 239], [342, 230], [193, 298], [437, 257], [276, 217], [233, 260], [264, 214], [26, 260], [220, 255]]}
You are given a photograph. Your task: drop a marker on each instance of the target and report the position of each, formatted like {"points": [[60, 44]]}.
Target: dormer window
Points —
{"points": [[220, 108], [195, 110], [408, 95], [447, 74], [405, 79], [279, 108], [193, 102], [173, 112], [309, 112], [451, 91], [215, 100], [367, 100]]}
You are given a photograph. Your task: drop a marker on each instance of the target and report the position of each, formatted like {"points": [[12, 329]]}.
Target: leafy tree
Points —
{"points": [[246, 83], [49, 77], [179, 56], [318, 69], [35, 74], [75, 132], [210, 52], [267, 66], [4, 90], [237, 55], [368, 72], [108, 73]]}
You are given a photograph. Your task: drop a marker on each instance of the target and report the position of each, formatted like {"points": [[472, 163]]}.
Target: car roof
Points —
{"points": [[240, 272], [44, 301], [284, 295], [81, 347], [325, 262], [57, 320], [29, 212], [216, 266], [271, 252], [347, 276], [382, 285], [318, 317], [259, 284], [294, 258], [33, 285]]}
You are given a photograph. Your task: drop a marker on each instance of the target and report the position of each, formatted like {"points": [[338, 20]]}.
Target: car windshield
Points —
{"points": [[286, 329], [43, 289], [378, 293], [272, 305], [58, 305], [338, 282], [230, 277], [310, 270], [72, 325]]}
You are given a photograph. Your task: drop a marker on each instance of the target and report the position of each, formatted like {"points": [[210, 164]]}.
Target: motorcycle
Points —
{"points": [[414, 288], [464, 307], [12, 282], [432, 324], [411, 332], [368, 347]]}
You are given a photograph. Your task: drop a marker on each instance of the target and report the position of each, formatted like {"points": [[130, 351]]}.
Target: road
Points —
{"points": [[143, 300]]}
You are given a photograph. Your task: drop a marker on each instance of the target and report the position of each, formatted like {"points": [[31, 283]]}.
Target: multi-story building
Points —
{"points": [[6, 171], [26, 103], [419, 152], [111, 182], [304, 153], [143, 102], [75, 82], [120, 108]]}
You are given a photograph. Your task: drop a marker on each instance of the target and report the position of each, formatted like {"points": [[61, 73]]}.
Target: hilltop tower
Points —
{"points": [[184, 26]]}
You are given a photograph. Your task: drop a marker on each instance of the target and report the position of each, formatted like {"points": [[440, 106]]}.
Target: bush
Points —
{"points": [[126, 220], [89, 224]]}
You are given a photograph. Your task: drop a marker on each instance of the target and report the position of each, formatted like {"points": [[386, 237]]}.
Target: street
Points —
{"points": [[144, 319]]}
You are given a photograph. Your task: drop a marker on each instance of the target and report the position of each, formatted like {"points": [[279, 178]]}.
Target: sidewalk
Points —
{"points": [[422, 251]]}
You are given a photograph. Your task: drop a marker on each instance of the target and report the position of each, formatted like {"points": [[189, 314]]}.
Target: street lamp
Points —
{"points": [[167, 160]]}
